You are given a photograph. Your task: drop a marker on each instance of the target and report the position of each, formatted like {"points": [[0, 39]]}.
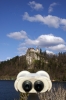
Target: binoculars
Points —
{"points": [[33, 82]]}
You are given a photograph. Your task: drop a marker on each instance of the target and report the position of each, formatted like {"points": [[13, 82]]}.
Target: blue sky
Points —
{"points": [[30, 24]]}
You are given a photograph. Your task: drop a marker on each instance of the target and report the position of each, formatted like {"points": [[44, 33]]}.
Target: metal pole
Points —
{"points": [[33, 96]]}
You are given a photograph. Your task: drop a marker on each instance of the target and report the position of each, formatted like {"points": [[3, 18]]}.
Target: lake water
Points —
{"points": [[7, 91]]}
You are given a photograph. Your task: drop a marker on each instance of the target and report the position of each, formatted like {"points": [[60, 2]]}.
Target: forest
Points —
{"points": [[55, 65]]}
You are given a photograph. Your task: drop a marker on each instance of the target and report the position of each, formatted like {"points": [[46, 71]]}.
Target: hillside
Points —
{"points": [[10, 68], [55, 65]]}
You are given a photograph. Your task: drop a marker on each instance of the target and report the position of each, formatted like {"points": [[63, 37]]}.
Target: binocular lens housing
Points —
{"points": [[27, 86], [38, 82], [38, 86]]}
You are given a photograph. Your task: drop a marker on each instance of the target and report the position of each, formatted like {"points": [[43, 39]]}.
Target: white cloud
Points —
{"points": [[8, 58], [59, 47], [49, 52], [22, 50], [0, 60], [48, 41], [18, 35], [51, 21], [34, 5], [45, 40], [51, 7], [63, 22], [64, 28]]}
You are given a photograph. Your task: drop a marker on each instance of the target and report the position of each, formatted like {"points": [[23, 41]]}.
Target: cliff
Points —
{"points": [[32, 54]]}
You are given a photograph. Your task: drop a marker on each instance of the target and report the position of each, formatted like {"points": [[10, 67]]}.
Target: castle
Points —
{"points": [[32, 54]]}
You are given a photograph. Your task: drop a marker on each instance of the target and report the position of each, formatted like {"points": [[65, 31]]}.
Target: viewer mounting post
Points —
{"points": [[33, 96]]}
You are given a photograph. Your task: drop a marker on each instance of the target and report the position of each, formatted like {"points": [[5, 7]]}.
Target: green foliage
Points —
{"points": [[55, 65], [12, 67]]}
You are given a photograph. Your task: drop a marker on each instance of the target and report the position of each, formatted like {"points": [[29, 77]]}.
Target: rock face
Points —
{"points": [[32, 54]]}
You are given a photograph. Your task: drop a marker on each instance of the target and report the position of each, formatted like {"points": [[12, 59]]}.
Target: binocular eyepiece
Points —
{"points": [[38, 86], [27, 85], [33, 82]]}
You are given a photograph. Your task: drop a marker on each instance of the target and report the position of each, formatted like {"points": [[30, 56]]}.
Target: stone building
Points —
{"points": [[32, 54]]}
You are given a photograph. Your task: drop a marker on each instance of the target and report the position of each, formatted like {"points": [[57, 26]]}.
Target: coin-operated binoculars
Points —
{"points": [[33, 83]]}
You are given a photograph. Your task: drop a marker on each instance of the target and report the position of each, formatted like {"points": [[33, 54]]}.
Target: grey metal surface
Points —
{"points": [[33, 96]]}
